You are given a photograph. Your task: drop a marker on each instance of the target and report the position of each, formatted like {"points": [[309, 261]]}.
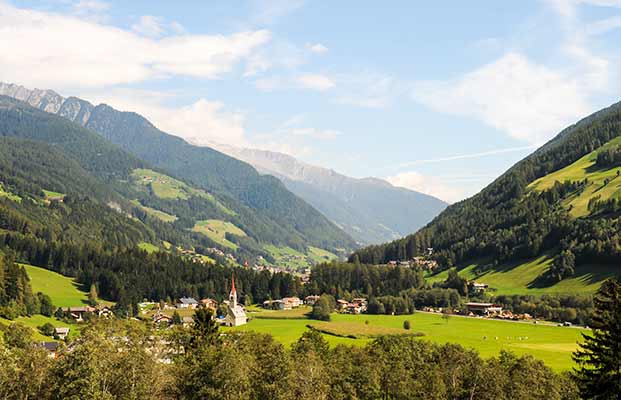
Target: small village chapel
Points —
{"points": [[236, 314]]}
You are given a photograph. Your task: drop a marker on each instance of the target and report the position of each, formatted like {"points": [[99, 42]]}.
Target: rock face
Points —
{"points": [[371, 210]]}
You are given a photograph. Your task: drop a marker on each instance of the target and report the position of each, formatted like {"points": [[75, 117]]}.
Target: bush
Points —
{"points": [[47, 329], [406, 325]]}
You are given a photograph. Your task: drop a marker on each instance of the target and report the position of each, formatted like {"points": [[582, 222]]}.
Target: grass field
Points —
{"points": [[549, 343], [49, 194], [148, 247], [166, 187], [161, 215], [63, 291], [295, 260], [520, 278], [582, 169], [38, 320], [216, 230]]}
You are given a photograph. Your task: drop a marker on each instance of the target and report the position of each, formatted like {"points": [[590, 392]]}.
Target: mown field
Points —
{"points": [[550, 343], [585, 168], [295, 260], [63, 291], [520, 277], [216, 230], [36, 321]]}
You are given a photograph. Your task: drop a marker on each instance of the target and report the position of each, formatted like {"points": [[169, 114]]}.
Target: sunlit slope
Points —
{"points": [[63, 291], [585, 168], [521, 277]]}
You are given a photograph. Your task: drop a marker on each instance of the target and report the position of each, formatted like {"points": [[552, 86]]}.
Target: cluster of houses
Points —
{"points": [[286, 303], [235, 315], [356, 306], [422, 263]]}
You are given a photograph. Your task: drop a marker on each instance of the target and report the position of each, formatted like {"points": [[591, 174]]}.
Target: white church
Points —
{"points": [[236, 314]]}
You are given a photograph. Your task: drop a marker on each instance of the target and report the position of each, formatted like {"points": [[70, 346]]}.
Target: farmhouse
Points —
{"points": [[209, 303], [483, 308], [61, 333], [51, 347], [291, 302], [78, 313], [187, 302], [476, 287], [161, 319], [310, 300], [236, 315]]}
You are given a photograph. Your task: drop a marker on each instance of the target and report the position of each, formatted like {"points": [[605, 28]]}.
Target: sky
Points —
{"points": [[438, 96]]}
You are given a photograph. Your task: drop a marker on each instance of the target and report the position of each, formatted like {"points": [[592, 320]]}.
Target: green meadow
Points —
{"points": [[216, 230], [64, 291], [520, 277], [166, 187], [9, 195], [35, 321], [585, 168], [550, 343], [292, 259]]}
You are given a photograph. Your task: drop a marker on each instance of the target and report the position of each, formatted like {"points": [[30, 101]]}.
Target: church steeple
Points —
{"points": [[233, 294]]}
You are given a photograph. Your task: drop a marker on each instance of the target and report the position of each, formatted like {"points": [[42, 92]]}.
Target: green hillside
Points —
{"points": [[530, 212], [521, 277], [64, 291], [216, 230]]}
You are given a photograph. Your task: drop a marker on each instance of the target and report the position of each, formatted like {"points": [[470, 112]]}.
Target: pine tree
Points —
{"points": [[599, 359]]}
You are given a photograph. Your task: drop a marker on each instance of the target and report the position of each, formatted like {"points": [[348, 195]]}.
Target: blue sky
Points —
{"points": [[437, 96]]}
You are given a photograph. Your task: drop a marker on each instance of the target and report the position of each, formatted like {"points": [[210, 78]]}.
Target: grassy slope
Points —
{"points": [[216, 229], [38, 320], [148, 247], [64, 291], [519, 278], [166, 187], [293, 259], [582, 169], [552, 344]]}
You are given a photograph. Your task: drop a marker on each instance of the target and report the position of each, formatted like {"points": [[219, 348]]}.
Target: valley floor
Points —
{"points": [[550, 343]]}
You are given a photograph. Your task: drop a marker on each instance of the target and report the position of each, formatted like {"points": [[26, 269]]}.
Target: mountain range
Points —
{"points": [[368, 210], [371, 210]]}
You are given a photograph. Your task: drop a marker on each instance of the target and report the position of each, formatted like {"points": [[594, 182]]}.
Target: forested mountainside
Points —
{"points": [[71, 215], [562, 201], [371, 210], [269, 211]]}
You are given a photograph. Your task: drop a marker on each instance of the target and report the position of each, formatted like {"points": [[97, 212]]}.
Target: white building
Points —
{"points": [[236, 315]]}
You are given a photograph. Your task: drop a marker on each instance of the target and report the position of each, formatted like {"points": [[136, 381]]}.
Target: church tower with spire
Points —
{"points": [[233, 294], [236, 314]]}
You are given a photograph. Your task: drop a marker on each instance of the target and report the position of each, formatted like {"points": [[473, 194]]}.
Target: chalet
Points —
{"points": [[236, 315], [187, 302], [310, 300], [78, 313], [477, 288], [51, 347], [161, 319], [353, 309], [293, 302], [61, 333], [273, 305], [209, 303], [483, 308], [341, 304]]}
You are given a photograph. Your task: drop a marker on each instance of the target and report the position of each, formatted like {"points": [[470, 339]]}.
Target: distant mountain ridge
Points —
{"points": [[370, 209], [272, 214]]}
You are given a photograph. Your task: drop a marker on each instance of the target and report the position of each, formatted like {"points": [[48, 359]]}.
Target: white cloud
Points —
{"points": [[201, 123], [428, 185], [92, 10], [52, 50], [528, 101], [315, 82], [316, 48], [149, 25], [322, 134], [155, 27], [267, 12]]}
